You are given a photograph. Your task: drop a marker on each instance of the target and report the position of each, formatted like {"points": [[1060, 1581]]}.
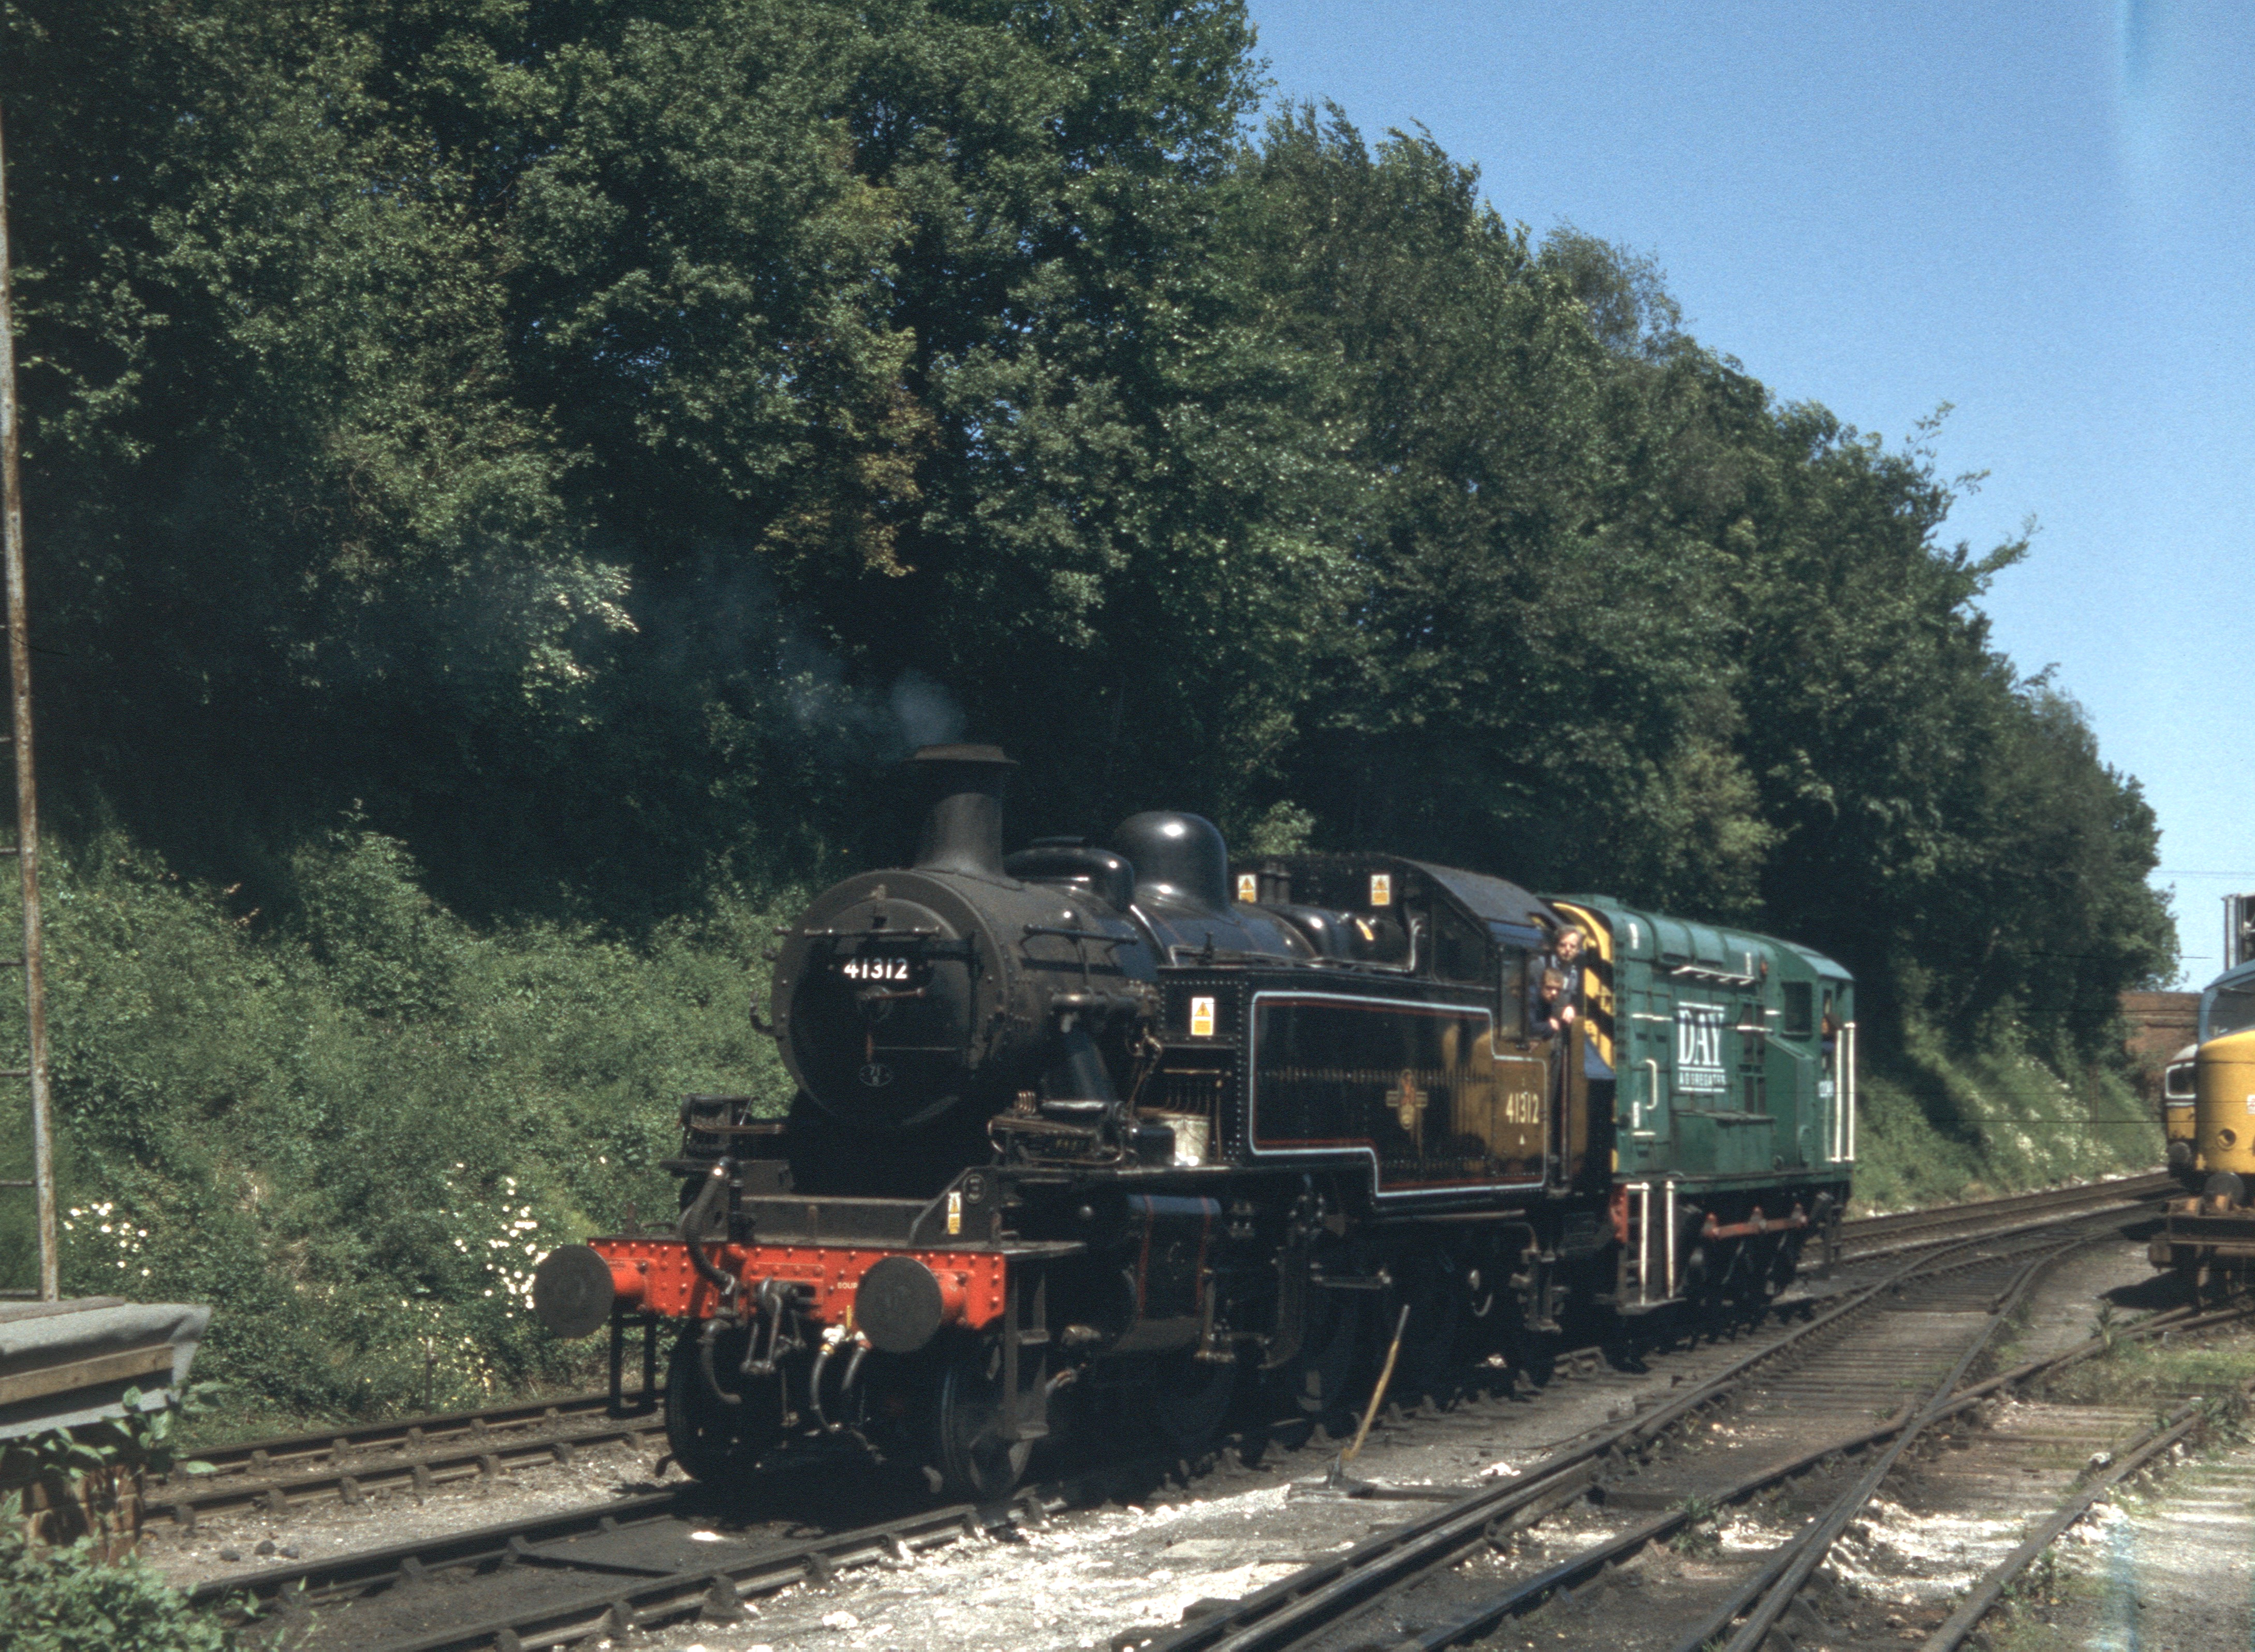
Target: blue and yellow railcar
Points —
{"points": [[2209, 1236], [2179, 1094]]}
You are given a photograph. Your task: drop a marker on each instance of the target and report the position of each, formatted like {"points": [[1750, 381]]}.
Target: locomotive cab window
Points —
{"points": [[1459, 950], [1799, 1017], [1511, 1000]]}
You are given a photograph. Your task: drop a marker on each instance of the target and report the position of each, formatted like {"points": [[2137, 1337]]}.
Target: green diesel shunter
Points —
{"points": [[1720, 1072]]}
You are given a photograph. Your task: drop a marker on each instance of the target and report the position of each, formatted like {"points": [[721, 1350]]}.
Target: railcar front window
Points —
{"points": [[2228, 1009]]}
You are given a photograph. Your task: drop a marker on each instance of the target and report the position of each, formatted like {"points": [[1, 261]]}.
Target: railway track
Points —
{"points": [[642, 1563], [1866, 1237], [1385, 1570], [2183, 1425], [1843, 1365], [603, 1570], [2175, 1545], [417, 1454]]}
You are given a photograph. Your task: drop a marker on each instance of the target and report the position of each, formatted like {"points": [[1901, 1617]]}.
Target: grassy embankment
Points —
{"points": [[1937, 1127]]}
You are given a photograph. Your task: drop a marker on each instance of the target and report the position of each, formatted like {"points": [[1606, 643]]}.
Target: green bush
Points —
{"points": [[354, 1128], [70, 1600]]}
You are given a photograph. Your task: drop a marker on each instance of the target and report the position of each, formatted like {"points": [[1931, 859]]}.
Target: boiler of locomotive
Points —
{"points": [[904, 994]]}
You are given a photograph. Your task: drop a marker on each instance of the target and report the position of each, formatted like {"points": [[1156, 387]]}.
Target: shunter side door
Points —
{"points": [[1646, 1019], [1794, 1074]]}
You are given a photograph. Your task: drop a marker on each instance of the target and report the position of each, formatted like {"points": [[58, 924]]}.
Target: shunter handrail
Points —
{"points": [[1841, 1149]]}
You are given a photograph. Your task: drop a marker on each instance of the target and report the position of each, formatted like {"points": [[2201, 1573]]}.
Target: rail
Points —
{"points": [[286, 1471], [1308, 1606]]}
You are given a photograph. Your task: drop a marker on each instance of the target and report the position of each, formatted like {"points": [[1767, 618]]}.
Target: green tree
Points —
{"points": [[1525, 671]]}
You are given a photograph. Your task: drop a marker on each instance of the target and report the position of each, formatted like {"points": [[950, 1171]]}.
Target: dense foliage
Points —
{"points": [[358, 1133], [544, 457], [71, 1600]]}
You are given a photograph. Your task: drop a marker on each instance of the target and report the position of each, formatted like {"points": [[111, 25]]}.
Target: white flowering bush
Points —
{"points": [[1938, 1125], [509, 1255], [467, 1333], [106, 1236]]}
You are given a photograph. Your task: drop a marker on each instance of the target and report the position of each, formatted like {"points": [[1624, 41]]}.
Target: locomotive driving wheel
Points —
{"points": [[1317, 1377], [975, 1459], [1189, 1400], [710, 1437], [1430, 1283]]}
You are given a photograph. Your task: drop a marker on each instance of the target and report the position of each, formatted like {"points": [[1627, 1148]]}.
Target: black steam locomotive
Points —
{"points": [[1092, 1131]]}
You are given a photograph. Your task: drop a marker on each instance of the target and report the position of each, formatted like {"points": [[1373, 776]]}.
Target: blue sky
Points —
{"points": [[2038, 212]]}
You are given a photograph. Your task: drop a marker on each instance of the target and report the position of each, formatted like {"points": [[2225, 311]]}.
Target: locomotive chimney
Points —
{"points": [[963, 828]]}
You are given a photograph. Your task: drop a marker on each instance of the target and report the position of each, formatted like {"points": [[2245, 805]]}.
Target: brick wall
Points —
{"points": [[2160, 1024]]}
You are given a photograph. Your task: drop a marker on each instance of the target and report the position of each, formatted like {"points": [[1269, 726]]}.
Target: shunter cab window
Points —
{"points": [[2178, 1082], [1799, 1019]]}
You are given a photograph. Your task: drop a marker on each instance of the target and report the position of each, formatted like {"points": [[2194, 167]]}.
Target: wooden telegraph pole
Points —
{"points": [[26, 849]]}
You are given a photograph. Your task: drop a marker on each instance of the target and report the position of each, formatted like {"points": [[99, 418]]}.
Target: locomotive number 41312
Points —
{"points": [[874, 968]]}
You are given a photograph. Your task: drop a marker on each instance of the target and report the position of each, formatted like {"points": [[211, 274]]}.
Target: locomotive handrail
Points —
{"points": [[1636, 1108], [1848, 1069], [1699, 971], [1097, 935], [1844, 1095], [1178, 954], [1026, 1124], [873, 933], [1104, 1003]]}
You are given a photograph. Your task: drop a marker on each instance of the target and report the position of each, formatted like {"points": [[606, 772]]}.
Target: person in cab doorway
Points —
{"points": [[1557, 1007], [1559, 993]]}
